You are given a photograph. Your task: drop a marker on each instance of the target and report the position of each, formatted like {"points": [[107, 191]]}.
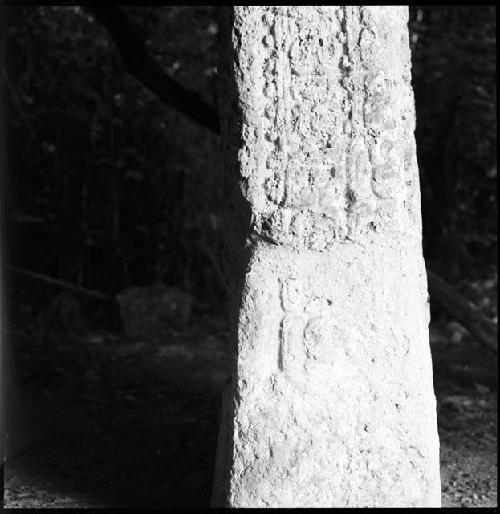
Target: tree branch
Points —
{"points": [[464, 311], [139, 64], [60, 283]]}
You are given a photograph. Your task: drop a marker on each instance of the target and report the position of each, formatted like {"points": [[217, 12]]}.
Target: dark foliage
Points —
{"points": [[110, 188], [454, 75]]}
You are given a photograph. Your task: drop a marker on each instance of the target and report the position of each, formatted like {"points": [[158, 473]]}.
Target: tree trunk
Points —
{"points": [[330, 402]]}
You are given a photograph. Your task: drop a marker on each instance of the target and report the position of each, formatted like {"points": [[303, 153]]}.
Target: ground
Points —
{"points": [[102, 421]]}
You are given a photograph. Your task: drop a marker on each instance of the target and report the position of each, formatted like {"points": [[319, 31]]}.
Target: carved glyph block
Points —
{"points": [[330, 402]]}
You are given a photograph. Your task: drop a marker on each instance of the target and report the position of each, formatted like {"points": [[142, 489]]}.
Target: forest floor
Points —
{"points": [[99, 421]]}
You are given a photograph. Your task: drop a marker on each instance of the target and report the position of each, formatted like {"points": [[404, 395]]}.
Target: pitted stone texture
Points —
{"points": [[327, 122], [330, 401], [333, 399]]}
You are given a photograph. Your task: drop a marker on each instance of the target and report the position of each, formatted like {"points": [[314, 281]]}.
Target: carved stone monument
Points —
{"points": [[330, 401]]}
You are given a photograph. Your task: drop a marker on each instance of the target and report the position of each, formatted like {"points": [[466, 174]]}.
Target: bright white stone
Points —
{"points": [[330, 402]]}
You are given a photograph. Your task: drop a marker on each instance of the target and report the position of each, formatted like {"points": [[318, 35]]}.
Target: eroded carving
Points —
{"points": [[331, 140]]}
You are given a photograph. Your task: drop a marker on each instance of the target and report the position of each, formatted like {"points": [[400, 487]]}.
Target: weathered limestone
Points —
{"points": [[330, 401]]}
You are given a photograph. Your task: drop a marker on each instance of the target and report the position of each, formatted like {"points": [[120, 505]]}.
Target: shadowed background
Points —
{"points": [[110, 187]]}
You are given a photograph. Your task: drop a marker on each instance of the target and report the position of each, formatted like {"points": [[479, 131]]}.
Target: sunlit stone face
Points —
{"points": [[330, 401]]}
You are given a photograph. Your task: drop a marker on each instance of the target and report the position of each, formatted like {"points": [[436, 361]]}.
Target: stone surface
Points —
{"points": [[330, 402]]}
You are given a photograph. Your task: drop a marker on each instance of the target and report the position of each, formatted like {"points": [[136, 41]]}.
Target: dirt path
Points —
{"points": [[109, 423]]}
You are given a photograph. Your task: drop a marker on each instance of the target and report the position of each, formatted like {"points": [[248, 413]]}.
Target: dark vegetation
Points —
{"points": [[113, 182], [110, 187]]}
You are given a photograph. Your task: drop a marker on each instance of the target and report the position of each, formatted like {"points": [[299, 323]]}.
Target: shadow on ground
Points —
{"points": [[97, 421]]}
